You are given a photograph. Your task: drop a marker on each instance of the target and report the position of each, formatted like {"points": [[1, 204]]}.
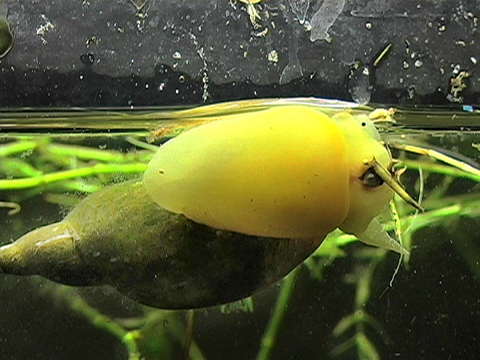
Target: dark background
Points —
{"points": [[108, 53]]}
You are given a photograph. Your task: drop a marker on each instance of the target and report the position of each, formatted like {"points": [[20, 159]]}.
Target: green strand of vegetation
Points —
{"points": [[178, 332], [101, 321], [440, 169], [359, 318], [18, 168], [283, 299], [17, 147], [86, 153], [25, 183]]}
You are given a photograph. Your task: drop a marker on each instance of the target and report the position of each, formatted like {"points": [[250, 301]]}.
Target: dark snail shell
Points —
{"points": [[120, 237]]}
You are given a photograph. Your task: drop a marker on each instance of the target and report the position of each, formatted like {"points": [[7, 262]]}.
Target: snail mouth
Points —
{"points": [[390, 177]]}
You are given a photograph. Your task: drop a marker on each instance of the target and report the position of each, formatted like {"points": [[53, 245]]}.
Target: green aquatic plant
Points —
{"points": [[45, 166]]}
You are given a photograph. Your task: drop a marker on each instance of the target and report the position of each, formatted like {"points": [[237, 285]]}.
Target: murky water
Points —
{"points": [[347, 300]]}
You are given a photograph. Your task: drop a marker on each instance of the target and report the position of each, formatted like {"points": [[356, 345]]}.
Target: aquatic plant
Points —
{"points": [[46, 166]]}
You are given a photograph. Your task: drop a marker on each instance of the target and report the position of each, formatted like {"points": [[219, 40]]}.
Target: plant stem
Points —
{"points": [[270, 335], [86, 153], [17, 147], [440, 169], [178, 331], [25, 183], [103, 322]]}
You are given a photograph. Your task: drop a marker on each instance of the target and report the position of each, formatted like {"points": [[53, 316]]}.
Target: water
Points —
{"points": [[347, 300]]}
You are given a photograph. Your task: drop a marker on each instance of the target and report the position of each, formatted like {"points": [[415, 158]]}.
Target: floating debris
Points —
{"points": [[382, 55], [139, 4], [253, 12], [359, 85], [43, 29], [273, 56], [299, 8], [293, 70], [324, 18], [15, 208], [457, 85]]}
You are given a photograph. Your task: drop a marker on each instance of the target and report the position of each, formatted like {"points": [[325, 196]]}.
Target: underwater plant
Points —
{"points": [[112, 236]]}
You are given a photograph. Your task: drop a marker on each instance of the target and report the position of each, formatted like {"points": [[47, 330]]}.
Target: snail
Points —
{"points": [[223, 210]]}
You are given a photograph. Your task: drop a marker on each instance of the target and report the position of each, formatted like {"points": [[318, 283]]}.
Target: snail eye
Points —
{"points": [[371, 179]]}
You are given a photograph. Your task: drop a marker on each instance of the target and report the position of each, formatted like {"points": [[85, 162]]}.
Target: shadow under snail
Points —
{"points": [[223, 210]]}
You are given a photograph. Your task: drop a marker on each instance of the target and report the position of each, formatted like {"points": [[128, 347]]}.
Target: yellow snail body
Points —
{"points": [[223, 210], [284, 172]]}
